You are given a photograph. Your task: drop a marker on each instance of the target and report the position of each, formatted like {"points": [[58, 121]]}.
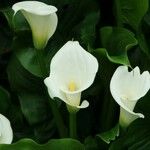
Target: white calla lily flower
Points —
{"points": [[42, 19], [127, 88], [72, 70], [6, 134]]}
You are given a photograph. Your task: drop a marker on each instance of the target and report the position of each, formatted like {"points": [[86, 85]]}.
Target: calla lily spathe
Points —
{"points": [[6, 134], [72, 70], [42, 19], [127, 88]]}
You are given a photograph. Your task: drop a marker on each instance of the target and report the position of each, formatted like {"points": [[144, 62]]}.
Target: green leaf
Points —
{"points": [[88, 29], [60, 144], [33, 106], [110, 135], [65, 144], [45, 130], [8, 13], [72, 30], [16, 23], [31, 92], [4, 101], [137, 137], [106, 107], [28, 59], [131, 12], [116, 41], [143, 43], [143, 105], [32, 98], [20, 79], [115, 59]]}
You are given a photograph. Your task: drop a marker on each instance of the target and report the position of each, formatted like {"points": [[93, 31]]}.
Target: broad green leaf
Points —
{"points": [[122, 59], [20, 79], [60, 144], [137, 137], [26, 55], [106, 107], [143, 43], [8, 13], [65, 144], [131, 12], [34, 105], [74, 17], [32, 98], [116, 41], [110, 135], [88, 29], [143, 105], [31, 92], [4, 101], [143, 35], [20, 23], [147, 19], [29, 60], [17, 23], [21, 129], [45, 131]]}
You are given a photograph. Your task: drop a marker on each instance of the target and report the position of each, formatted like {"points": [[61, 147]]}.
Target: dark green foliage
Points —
{"points": [[61, 144], [118, 34]]}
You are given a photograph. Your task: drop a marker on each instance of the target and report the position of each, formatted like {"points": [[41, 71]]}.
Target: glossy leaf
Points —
{"points": [[110, 135], [106, 106], [33, 107], [17, 23], [137, 137], [28, 144], [116, 32], [131, 12], [31, 94], [34, 103], [29, 60], [116, 48], [8, 13], [88, 29]]}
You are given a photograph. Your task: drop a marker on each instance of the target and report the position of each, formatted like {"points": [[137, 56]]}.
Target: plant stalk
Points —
{"points": [[57, 116], [72, 125]]}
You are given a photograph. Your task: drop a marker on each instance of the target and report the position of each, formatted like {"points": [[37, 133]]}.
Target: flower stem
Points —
{"points": [[72, 125], [41, 62], [58, 118]]}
